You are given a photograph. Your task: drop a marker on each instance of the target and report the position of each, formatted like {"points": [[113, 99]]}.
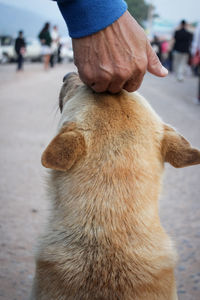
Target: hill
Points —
{"points": [[13, 19]]}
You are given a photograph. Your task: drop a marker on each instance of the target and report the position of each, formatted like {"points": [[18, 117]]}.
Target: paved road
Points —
{"points": [[28, 118]]}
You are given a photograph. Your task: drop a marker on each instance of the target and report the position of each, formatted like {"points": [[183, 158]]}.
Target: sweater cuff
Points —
{"points": [[85, 17]]}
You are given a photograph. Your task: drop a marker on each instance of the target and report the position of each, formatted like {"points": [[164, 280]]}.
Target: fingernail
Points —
{"points": [[164, 71]]}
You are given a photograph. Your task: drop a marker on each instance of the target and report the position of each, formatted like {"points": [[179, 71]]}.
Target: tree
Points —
{"points": [[138, 9]]}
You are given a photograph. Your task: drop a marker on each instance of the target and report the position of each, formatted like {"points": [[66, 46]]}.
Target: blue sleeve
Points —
{"points": [[85, 17]]}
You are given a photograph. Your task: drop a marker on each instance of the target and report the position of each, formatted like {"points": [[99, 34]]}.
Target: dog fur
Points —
{"points": [[104, 240]]}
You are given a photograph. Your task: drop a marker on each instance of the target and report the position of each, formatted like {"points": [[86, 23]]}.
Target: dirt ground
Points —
{"points": [[28, 119]]}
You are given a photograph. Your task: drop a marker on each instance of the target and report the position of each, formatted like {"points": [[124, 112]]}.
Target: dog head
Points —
{"points": [[119, 129]]}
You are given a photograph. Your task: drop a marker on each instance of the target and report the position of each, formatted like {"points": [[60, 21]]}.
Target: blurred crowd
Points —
{"points": [[180, 54], [177, 53], [50, 47]]}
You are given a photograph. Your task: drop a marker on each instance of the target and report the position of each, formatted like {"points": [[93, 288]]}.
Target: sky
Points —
{"points": [[43, 7], [174, 10]]}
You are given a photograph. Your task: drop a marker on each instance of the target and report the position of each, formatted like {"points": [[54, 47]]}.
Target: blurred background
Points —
{"points": [[158, 17], [30, 80]]}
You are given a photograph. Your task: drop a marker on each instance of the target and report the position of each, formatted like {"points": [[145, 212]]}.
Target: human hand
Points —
{"points": [[116, 57]]}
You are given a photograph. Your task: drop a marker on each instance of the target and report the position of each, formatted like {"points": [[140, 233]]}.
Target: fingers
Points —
{"points": [[130, 79], [118, 81], [154, 65], [134, 82], [96, 79], [116, 57], [114, 81], [100, 86], [115, 85]]}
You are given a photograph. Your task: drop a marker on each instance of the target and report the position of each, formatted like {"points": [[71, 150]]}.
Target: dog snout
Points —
{"points": [[71, 82]]}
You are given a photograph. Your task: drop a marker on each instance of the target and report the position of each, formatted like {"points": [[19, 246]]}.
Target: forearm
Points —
{"points": [[85, 17], [111, 50]]}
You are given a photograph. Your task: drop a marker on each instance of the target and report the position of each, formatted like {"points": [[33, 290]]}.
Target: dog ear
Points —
{"points": [[64, 150], [177, 151]]}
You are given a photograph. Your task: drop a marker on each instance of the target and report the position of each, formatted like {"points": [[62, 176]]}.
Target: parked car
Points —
{"points": [[7, 51], [66, 49], [67, 53], [33, 50]]}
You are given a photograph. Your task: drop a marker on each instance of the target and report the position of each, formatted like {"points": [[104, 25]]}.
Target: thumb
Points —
{"points": [[154, 65]]}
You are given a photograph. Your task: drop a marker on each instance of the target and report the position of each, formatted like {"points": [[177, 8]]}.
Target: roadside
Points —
{"points": [[28, 119]]}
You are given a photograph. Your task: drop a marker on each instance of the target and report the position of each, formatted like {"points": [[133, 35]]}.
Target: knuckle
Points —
{"points": [[122, 73], [137, 86], [86, 74], [99, 88], [103, 77], [87, 79], [140, 63], [142, 66], [114, 90], [154, 58], [133, 84], [130, 89]]}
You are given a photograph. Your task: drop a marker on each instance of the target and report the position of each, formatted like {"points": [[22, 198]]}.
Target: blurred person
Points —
{"points": [[196, 57], [46, 41], [111, 50], [156, 45], [167, 54], [164, 52], [182, 39], [170, 55], [59, 53], [54, 46], [20, 48]]}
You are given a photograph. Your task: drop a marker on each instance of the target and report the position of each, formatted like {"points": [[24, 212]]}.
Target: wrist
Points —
{"points": [[84, 18]]}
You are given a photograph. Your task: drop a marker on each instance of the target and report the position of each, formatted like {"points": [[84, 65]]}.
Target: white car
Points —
{"points": [[33, 50], [7, 49], [67, 52], [66, 49]]}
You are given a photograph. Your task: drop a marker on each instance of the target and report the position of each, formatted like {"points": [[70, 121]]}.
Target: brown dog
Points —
{"points": [[104, 239]]}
